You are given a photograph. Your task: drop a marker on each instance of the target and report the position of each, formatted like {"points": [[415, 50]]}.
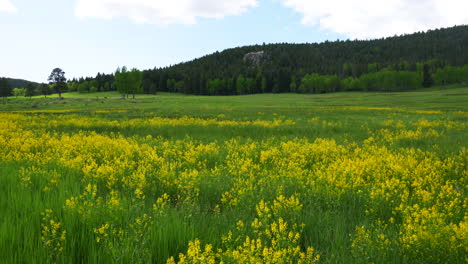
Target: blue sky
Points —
{"points": [[84, 37]]}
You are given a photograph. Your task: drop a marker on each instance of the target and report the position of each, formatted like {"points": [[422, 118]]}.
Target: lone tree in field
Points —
{"points": [[57, 78]]}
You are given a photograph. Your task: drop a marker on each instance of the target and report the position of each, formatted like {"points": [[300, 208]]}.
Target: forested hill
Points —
{"points": [[281, 63], [449, 45], [19, 83], [394, 63]]}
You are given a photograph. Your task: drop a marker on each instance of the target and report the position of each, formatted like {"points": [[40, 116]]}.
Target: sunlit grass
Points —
{"points": [[339, 178]]}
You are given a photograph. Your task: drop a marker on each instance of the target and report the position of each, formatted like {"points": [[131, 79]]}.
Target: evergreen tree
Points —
{"points": [[264, 85], [427, 77], [73, 86], [5, 88], [83, 87], [30, 90], [57, 78], [293, 85], [44, 89], [241, 85]]}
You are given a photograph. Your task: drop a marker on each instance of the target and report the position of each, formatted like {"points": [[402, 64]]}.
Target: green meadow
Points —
{"points": [[349, 177]]}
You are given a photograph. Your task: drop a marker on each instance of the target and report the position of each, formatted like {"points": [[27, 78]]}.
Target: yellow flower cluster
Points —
{"points": [[101, 232], [273, 240], [94, 121], [53, 235]]}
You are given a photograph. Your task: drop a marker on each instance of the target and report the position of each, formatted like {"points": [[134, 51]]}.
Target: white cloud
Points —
{"points": [[380, 18], [162, 12], [7, 6]]}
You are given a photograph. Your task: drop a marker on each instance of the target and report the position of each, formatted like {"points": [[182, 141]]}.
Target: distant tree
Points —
{"points": [[44, 89], [19, 92], [347, 69], [373, 67], [83, 87], [107, 86], [57, 77], [250, 85], [451, 75], [241, 84], [311, 83], [350, 84], [93, 89], [5, 88], [187, 85], [258, 82], [276, 88], [293, 85], [179, 87], [93, 86], [30, 90], [73, 86], [283, 79], [230, 86], [264, 84], [135, 81], [128, 81], [122, 81], [427, 78], [170, 84], [153, 89], [99, 82], [332, 84], [216, 86]]}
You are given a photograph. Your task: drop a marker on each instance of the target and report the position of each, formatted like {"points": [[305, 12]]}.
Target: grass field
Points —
{"points": [[272, 178]]}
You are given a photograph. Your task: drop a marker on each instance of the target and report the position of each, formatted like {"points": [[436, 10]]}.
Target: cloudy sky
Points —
{"points": [[84, 37]]}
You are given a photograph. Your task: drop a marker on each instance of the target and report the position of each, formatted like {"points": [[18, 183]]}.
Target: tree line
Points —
{"points": [[130, 82], [57, 84], [387, 64], [125, 81]]}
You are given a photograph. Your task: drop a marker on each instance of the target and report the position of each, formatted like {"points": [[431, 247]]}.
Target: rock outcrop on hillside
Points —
{"points": [[255, 58]]}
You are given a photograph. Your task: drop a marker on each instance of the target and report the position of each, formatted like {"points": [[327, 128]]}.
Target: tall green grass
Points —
{"points": [[329, 222]]}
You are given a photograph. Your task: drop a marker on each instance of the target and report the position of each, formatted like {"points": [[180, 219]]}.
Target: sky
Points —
{"points": [[84, 37]]}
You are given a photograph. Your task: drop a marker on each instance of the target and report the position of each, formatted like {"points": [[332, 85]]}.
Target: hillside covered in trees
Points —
{"points": [[19, 83], [394, 63], [389, 64]]}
